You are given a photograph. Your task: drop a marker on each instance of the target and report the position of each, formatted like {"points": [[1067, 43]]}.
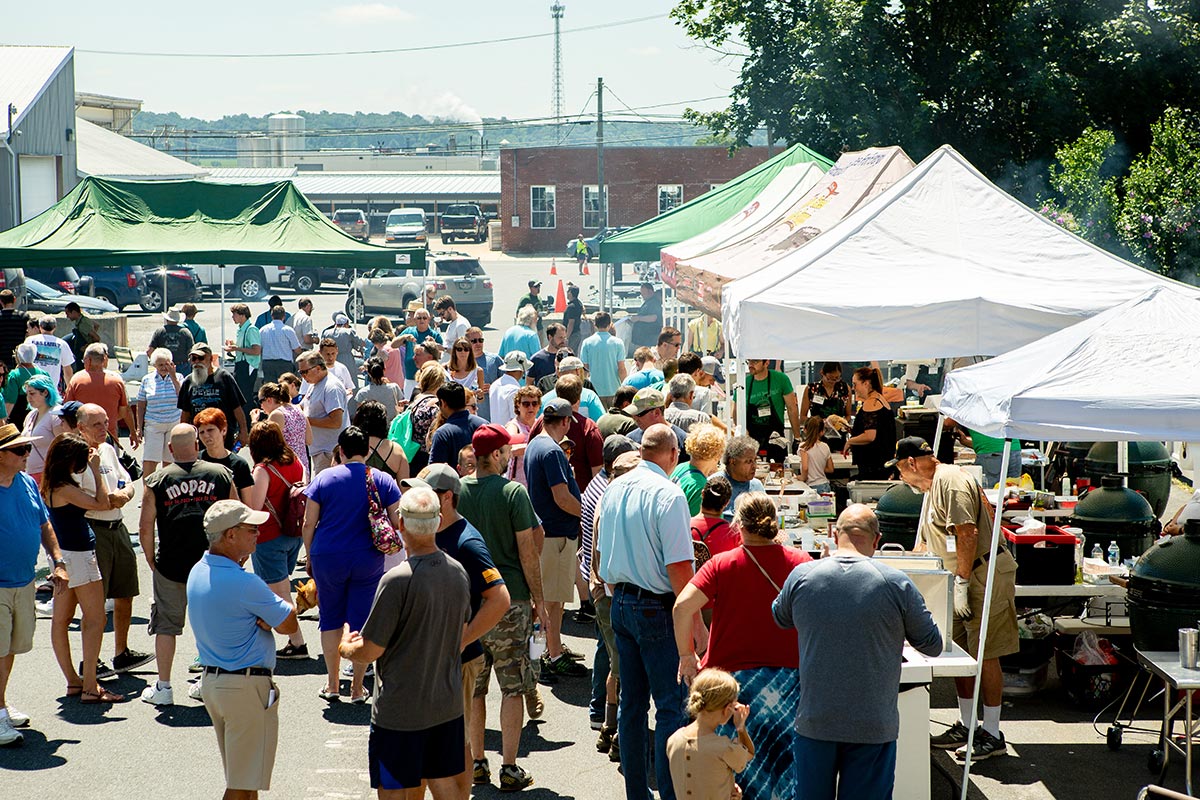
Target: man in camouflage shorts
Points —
{"points": [[501, 511]]}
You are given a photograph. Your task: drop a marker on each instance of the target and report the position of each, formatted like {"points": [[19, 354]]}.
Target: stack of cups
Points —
{"points": [[1188, 639]]}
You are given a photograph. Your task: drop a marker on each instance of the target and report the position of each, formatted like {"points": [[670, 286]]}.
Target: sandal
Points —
{"points": [[360, 699], [329, 696], [103, 696], [74, 690]]}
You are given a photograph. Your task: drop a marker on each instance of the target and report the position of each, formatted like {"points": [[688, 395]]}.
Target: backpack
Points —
{"points": [[700, 552], [291, 521]]}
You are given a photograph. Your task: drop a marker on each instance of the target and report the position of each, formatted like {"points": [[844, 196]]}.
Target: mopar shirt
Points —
{"points": [[182, 493]]}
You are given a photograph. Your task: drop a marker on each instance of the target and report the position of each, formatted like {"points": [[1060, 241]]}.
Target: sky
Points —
{"points": [[643, 63]]}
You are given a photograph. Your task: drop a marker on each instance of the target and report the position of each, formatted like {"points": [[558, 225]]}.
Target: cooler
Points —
{"points": [[1043, 559]]}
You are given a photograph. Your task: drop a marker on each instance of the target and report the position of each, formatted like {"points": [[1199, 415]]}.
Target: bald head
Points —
{"points": [[858, 529], [93, 423], [184, 446], [660, 446]]}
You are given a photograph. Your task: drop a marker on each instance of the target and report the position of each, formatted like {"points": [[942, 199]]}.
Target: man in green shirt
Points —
{"points": [[246, 349], [988, 454], [769, 394], [189, 310], [501, 511]]}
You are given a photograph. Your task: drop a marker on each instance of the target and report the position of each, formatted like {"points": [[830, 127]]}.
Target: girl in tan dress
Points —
{"points": [[702, 761]]}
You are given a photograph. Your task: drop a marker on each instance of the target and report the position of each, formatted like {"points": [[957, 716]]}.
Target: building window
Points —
{"points": [[541, 207], [670, 195], [592, 217]]}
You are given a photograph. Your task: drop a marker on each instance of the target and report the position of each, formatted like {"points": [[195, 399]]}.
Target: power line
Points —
{"points": [[622, 102], [387, 51]]}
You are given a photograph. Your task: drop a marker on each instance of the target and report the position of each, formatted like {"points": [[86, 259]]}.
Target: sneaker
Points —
{"points": [[952, 738], [986, 746], [157, 695], [103, 671], [196, 666], [571, 654], [292, 651], [614, 752], [605, 742], [110, 605], [596, 723], [9, 736], [130, 660], [513, 778], [565, 667], [534, 705], [481, 773], [348, 669], [19, 719], [194, 691], [585, 613], [44, 610]]}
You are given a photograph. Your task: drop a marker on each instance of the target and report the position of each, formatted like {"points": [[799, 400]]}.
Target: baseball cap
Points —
{"points": [[516, 361], [534, 282], [557, 408], [200, 349], [645, 400], [224, 514], [616, 444], [625, 462], [68, 410], [710, 364], [489, 438], [570, 364], [438, 477], [910, 447]]}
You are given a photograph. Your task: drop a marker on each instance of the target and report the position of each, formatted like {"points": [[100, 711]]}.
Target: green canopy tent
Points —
{"points": [[643, 242], [148, 223]]}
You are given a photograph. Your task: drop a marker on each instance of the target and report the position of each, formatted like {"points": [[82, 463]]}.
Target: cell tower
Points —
{"points": [[556, 12]]}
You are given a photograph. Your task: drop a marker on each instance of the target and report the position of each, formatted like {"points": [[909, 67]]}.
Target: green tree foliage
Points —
{"points": [[1003, 81], [1085, 188], [1160, 216]]}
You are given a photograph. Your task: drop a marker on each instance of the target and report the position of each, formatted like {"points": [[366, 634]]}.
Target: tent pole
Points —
{"points": [[983, 622], [221, 267], [735, 390], [937, 432], [1123, 462]]}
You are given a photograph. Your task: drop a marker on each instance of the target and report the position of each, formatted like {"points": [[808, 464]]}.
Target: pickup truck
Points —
{"points": [[464, 221], [247, 281]]}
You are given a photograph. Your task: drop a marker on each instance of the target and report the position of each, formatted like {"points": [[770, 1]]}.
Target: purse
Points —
{"points": [[385, 538], [291, 521]]}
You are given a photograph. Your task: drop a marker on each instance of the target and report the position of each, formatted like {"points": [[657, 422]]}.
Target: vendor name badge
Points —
{"points": [[403, 258]]}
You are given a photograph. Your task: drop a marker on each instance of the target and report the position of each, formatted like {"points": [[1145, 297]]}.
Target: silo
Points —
{"points": [[287, 138]]}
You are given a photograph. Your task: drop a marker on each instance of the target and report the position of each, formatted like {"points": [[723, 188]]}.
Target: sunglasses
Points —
{"points": [[307, 370], [462, 349], [530, 404], [197, 359], [476, 341], [20, 450]]}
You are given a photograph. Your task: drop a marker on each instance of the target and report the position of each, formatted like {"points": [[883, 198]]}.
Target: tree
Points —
{"points": [[1160, 216], [1085, 181], [1003, 81]]}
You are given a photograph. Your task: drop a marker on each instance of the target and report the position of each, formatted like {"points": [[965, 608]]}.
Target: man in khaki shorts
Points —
{"points": [[28, 526], [233, 614], [460, 540], [957, 520]]}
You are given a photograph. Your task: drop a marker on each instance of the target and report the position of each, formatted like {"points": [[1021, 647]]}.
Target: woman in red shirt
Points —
{"points": [[709, 526], [742, 583], [276, 469]]}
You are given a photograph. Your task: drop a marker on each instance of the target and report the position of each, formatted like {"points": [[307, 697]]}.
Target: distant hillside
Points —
{"points": [[185, 136]]}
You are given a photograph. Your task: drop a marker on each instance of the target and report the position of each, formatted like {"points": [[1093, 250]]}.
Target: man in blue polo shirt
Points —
{"points": [[460, 425], [233, 614]]}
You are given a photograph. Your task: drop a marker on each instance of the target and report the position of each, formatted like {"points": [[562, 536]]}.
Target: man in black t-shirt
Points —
{"points": [[175, 338], [12, 327], [205, 387], [460, 540], [648, 321], [177, 495]]}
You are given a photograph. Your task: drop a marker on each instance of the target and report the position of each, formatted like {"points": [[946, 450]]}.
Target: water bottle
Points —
{"points": [[120, 484], [1097, 553], [1114, 554], [537, 643]]}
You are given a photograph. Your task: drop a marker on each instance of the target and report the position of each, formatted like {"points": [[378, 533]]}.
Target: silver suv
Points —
{"points": [[388, 291], [353, 222]]}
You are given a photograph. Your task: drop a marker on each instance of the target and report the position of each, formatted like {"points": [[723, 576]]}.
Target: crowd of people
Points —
{"points": [[448, 504]]}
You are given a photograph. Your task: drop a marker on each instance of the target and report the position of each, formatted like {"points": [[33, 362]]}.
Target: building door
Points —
{"points": [[39, 184]]}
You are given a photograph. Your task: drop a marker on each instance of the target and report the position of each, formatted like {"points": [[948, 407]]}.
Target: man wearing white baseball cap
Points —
{"points": [[233, 614], [512, 378]]}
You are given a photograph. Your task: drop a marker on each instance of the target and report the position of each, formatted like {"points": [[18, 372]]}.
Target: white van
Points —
{"points": [[405, 225]]}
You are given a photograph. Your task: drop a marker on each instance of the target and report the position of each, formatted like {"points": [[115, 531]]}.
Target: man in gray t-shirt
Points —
{"points": [[853, 615], [414, 634], [325, 406]]}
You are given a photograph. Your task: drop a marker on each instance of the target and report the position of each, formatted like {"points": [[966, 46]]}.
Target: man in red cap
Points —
{"points": [[502, 512]]}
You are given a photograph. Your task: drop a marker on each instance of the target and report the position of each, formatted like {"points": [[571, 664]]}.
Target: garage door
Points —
{"points": [[39, 184]]}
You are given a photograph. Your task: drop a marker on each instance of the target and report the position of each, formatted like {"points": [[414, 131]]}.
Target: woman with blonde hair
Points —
{"points": [[424, 412], [744, 640], [703, 761], [705, 445]]}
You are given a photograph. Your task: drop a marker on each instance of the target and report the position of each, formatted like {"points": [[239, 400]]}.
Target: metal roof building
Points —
{"points": [[105, 154], [377, 193]]}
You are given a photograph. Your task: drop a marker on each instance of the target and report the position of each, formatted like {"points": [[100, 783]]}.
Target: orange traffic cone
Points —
{"points": [[585, 269], [560, 299], [553, 267]]}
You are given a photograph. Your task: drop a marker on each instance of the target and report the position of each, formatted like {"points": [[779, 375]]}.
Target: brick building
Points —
{"points": [[549, 194]]}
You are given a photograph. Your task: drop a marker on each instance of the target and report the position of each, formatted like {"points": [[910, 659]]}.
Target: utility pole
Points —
{"points": [[600, 152]]}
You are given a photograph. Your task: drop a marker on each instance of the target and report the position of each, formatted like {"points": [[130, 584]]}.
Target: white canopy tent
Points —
{"points": [[942, 264], [1128, 373], [700, 267]]}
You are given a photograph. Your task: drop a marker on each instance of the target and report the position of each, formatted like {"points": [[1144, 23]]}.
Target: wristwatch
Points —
{"points": [[58, 562]]}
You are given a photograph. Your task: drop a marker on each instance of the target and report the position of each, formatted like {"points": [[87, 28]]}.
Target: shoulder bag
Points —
{"points": [[385, 538]]}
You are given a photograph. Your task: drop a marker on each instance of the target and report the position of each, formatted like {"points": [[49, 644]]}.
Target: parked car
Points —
{"points": [[388, 291], [463, 221], [182, 286], [593, 242], [353, 222], [14, 281], [309, 279], [48, 300], [119, 286], [405, 225], [245, 281], [65, 279]]}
